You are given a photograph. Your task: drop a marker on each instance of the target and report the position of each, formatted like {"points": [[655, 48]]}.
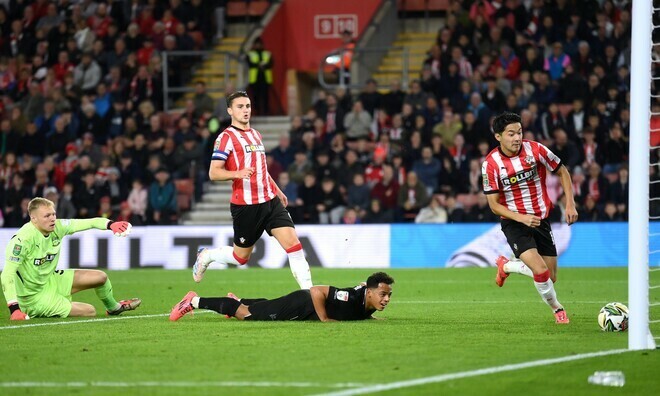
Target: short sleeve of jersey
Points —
{"points": [[490, 178], [547, 157], [222, 147]]}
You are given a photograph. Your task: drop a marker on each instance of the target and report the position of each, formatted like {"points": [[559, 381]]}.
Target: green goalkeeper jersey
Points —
{"points": [[31, 257]]}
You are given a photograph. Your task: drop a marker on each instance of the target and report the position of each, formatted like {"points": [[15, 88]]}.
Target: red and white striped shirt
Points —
{"points": [[243, 149], [520, 180]]}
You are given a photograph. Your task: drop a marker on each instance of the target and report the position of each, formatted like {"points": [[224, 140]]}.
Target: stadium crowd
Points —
{"points": [[416, 154], [81, 120], [80, 109]]}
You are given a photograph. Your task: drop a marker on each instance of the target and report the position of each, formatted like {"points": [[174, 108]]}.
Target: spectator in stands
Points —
{"points": [[572, 86], [18, 42], [125, 214], [42, 183], [544, 94], [9, 139], [16, 191], [376, 214], [202, 100], [156, 135], [87, 196], [565, 149], [619, 189], [370, 97], [105, 208], [117, 190], [162, 198], [32, 103], [412, 197], [351, 216], [46, 121], [464, 66], [480, 111], [455, 211], [481, 213], [133, 37], [118, 55], [32, 143], [348, 168], [416, 97], [428, 170], [357, 195], [556, 62], [357, 123], [87, 74], [615, 151], [283, 154], [471, 183], [493, 98], [433, 212], [508, 61], [308, 198], [63, 207], [449, 127], [331, 204], [432, 116], [322, 166], [386, 190], [609, 213], [300, 167], [19, 216], [392, 101], [138, 199], [596, 185]]}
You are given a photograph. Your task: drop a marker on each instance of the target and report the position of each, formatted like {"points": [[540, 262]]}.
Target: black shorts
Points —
{"points": [[294, 306], [522, 238], [250, 221]]}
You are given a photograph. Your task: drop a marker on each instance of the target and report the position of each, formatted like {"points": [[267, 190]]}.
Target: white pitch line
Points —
{"points": [[486, 302], [178, 384], [72, 322], [472, 373]]}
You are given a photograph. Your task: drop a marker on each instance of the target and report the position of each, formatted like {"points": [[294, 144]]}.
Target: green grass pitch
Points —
{"points": [[440, 321]]}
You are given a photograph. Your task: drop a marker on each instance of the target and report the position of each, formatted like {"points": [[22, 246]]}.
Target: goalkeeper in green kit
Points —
{"points": [[30, 282]]}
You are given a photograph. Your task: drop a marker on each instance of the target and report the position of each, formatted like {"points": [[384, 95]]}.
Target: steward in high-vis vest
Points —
{"points": [[340, 62], [260, 76]]}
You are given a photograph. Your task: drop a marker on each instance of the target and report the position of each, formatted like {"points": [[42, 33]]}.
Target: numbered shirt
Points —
{"points": [[520, 180], [347, 304], [243, 149], [36, 255]]}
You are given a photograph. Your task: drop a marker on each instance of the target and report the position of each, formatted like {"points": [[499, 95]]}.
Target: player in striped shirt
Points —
{"points": [[514, 183], [257, 203]]}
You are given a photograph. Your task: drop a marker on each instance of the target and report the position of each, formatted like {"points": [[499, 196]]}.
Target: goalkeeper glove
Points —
{"points": [[16, 313], [120, 228]]}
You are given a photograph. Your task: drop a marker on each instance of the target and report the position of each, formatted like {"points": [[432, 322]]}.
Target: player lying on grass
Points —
{"points": [[324, 303], [514, 182], [30, 282]]}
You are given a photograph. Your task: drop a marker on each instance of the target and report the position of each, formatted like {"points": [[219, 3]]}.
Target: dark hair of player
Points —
{"points": [[377, 278], [501, 121], [234, 95]]}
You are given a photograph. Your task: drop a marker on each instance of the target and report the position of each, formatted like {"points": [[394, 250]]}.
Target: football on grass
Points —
{"points": [[613, 317]]}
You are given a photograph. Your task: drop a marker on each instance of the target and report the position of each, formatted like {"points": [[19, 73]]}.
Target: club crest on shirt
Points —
{"points": [[56, 241], [251, 148], [341, 295], [17, 249], [529, 160]]}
